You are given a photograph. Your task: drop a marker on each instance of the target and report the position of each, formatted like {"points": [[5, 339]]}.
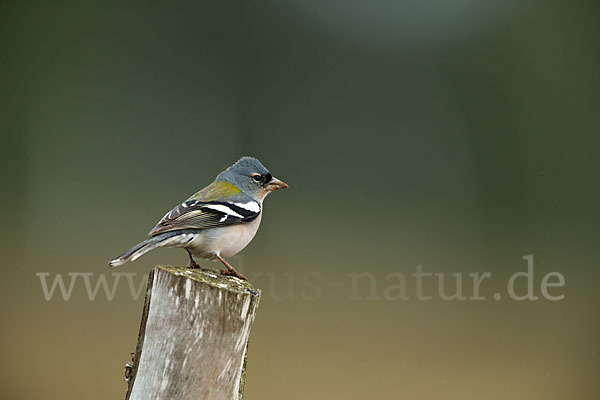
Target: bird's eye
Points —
{"points": [[257, 177]]}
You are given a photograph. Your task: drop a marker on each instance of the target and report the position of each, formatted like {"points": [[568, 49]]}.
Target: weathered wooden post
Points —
{"points": [[193, 336]]}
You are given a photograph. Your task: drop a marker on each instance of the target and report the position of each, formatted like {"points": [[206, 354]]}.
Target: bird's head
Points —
{"points": [[251, 177]]}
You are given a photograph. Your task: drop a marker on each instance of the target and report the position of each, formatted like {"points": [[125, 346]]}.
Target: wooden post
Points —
{"points": [[193, 336]]}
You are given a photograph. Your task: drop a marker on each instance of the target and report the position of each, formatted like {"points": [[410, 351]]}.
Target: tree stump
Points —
{"points": [[193, 336]]}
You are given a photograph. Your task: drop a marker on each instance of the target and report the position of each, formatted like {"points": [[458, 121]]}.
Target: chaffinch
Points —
{"points": [[218, 221]]}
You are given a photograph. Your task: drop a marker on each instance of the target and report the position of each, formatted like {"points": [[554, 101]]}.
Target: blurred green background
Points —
{"points": [[459, 136]]}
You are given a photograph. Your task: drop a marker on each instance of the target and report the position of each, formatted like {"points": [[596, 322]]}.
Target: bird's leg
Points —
{"points": [[230, 270], [193, 264]]}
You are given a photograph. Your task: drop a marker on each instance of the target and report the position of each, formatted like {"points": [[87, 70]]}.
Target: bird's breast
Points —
{"points": [[226, 241]]}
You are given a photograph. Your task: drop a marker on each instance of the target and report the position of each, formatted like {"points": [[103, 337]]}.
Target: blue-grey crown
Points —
{"points": [[244, 166]]}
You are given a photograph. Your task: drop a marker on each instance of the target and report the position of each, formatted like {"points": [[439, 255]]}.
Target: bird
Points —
{"points": [[216, 222]]}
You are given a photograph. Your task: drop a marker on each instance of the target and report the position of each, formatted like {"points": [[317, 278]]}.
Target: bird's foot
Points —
{"points": [[230, 271], [233, 272], [194, 265]]}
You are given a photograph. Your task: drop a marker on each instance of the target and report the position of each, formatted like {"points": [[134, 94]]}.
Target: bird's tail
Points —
{"points": [[166, 239]]}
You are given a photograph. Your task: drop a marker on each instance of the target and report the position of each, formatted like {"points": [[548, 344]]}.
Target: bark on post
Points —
{"points": [[193, 336]]}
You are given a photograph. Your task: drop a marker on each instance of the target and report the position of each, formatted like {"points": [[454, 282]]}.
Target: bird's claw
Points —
{"points": [[233, 272]]}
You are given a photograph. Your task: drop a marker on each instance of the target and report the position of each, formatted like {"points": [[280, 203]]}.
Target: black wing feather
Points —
{"points": [[197, 214]]}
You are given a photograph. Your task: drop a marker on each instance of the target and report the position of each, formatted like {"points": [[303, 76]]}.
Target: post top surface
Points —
{"points": [[212, 278]]}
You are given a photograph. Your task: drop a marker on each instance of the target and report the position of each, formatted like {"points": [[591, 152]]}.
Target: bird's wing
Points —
{"points": [[198, 214]]}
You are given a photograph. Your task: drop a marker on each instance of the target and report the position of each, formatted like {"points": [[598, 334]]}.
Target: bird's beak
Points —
{"points": [[275, 184]]}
